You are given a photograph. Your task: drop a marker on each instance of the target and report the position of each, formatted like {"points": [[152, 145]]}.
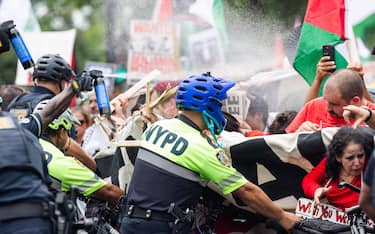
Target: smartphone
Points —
{"points": [[329, 50]]}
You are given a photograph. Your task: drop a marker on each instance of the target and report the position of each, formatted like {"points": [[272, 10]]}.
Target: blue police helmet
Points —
{"points": [[204, 93]]}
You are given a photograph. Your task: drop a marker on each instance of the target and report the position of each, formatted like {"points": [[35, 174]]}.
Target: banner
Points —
{"points": [[153, 45]]}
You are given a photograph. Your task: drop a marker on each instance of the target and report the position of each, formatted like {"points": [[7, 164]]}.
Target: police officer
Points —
{"points": [[177, 158], [51, 74], [66, 170], [24, 197]]}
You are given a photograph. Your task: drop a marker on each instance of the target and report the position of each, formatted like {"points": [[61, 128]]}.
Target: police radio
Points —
{"points": [[23, 54]]}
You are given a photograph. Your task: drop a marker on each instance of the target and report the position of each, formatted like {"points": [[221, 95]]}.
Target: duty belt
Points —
{"points": [[133, 211], [24, 210]]}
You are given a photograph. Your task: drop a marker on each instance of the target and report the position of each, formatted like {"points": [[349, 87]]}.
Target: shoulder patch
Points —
{"points": [[20, 113], [224, 159], [6, 123], [25, 121]]}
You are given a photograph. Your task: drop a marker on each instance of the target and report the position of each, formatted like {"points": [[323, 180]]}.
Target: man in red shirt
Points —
{"points": [[344, 87]]}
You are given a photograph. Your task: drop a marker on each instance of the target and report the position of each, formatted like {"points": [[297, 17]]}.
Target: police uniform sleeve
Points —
{"points": [[33, 124], [70, 172], [218, 168], [369, 174]]}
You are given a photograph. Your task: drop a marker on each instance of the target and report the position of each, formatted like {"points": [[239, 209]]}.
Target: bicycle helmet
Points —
{"points": [[52, 67], [204, 93], [66, 119]]}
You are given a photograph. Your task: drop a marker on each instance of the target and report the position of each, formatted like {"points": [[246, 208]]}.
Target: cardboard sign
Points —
{"points": [[206, 49], [236, 104], [153, 45], [307, 208]]}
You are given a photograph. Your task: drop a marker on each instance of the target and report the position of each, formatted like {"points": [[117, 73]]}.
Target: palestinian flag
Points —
{"points": [[325, 23]]}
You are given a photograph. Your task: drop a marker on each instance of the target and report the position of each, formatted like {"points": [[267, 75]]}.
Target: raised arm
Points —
{"points": [[61, 102], [323, 69]]}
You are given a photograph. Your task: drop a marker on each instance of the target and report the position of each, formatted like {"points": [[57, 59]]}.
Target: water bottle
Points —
{"points": [[101, 93], [18, 44]]}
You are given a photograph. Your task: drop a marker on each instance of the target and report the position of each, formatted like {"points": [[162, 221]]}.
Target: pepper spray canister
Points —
{"points": [[18, 44], [101, 93]]}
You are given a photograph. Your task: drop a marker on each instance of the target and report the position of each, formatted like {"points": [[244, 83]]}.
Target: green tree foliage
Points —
{"points": [[90, 38]]}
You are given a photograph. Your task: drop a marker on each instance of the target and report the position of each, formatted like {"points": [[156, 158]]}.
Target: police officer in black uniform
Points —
{"points": [[24, 196], [51, 74]]}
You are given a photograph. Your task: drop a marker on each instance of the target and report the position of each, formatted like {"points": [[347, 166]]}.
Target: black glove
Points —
{"points": [[85, 82]]}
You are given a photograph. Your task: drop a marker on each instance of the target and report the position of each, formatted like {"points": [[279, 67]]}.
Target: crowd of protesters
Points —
{"points": [[74, 138]]}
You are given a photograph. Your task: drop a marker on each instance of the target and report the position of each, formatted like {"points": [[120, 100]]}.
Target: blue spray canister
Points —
{"points": [[101, 93], [18, 45]]}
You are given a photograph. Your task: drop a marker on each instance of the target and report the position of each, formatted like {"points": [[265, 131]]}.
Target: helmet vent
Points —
{"points": [[202, 80], [60, 63], [201, 88], [218, 87], [197, 97]]}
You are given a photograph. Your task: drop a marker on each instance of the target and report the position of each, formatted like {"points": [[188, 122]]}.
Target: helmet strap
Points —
{"points": [[60, 86], [210, 123]]}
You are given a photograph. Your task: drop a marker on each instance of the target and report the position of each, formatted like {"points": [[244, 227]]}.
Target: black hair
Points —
{"points": [[340, 140], [281, 121], [258, 104], [233, 125]]}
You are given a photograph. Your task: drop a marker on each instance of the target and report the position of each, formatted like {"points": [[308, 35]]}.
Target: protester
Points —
{"points": [[24, 198], [93, 106], [166, 109], [347, 157], [68, 171], [324, 69], [257, 115], [343, 88], [281, 121], [84, 123], [178, 158]]}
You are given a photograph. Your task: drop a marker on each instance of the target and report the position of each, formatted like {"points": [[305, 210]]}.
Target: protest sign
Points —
{"points": [[153, 45], [237, 104]]}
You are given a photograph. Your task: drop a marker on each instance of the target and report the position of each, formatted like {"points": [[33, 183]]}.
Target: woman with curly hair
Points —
{"points": [[347, 158]]}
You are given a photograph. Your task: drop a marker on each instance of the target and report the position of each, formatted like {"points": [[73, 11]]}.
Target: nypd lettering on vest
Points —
{"points": [[157, 135]]}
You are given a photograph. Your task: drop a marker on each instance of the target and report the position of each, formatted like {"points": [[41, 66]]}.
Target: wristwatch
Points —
{"points": [[369, 113]]}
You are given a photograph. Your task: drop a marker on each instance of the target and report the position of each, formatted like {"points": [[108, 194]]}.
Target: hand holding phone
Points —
{"points": [[329, 50]]}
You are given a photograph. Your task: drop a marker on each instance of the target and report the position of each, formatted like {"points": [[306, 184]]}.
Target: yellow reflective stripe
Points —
{"points": [[167, 165], [230, 180]]}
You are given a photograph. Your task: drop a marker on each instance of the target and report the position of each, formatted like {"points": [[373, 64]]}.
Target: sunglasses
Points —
{"points": [[81, 121]]}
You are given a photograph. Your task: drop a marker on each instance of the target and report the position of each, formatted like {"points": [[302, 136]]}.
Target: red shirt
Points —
{"points": [[340, 198], [315, 111]]}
